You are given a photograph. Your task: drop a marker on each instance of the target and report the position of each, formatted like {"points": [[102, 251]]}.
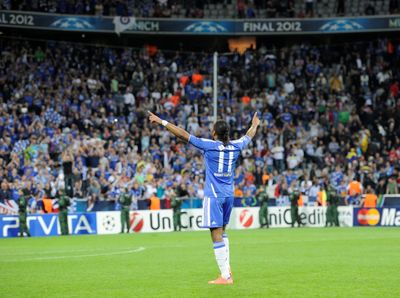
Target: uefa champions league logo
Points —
{"points": [[109, 223], [72, 23], [341, 25], [205, 27]]}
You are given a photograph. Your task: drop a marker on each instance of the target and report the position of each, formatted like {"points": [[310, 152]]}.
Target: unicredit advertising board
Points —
{"points": [[146, 221], [384, 217], [279, 217]]}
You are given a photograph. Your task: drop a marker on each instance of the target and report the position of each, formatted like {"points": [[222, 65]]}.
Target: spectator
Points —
{"points": [[241, 9], [65, 125], [250, 13], [4, 192], [309, 8], [370, 9], [155, 202], [271, 9], [354, 190], [278, 155], [392, 188], [189, 9], [370, 199], [340, 8], [394, 6], [287, 11]]}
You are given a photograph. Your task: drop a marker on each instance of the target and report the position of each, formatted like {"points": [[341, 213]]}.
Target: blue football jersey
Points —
{"points": [[220, 164]]}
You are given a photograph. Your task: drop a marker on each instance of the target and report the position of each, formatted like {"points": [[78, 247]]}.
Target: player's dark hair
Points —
{"points": [[221, 128]]}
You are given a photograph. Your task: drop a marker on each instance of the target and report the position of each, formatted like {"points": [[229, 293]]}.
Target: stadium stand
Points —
{"points": [[214, 9], [76, 114]]}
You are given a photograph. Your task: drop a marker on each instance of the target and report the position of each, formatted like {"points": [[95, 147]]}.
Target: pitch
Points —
{"points": [[335, 262]]}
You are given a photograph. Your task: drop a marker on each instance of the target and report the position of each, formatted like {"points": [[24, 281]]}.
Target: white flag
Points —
{"points": [[122, 24]]}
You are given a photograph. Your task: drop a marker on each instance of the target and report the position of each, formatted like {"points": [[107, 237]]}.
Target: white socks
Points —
{"points": [[226, 241], [221, 256]]}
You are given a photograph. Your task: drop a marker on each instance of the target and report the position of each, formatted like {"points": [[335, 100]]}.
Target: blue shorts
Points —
{"points": [[216, 212]]}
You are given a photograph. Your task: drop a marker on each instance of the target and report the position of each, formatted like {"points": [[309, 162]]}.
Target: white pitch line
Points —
{"points": [[32, 252], [139, 249]]}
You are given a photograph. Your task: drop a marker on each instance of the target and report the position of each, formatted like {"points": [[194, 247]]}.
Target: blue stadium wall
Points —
{"points": [[192, 34]]}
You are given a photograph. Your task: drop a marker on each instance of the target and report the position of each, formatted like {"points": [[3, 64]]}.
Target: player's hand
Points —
{"points": [[153, 118], [256, 120]]}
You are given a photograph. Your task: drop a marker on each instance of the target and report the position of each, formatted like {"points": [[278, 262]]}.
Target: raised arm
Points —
{"points": [[175, 130], [254, 125]]}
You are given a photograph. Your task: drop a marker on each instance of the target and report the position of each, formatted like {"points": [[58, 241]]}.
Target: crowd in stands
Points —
{"points": [[209, 8], [74, 117]]}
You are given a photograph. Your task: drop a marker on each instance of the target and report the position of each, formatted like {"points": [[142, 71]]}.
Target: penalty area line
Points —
{"points": [[139, 249]]}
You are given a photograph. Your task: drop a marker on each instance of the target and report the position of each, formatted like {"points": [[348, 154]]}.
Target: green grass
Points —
{"points": [[335, 262]]}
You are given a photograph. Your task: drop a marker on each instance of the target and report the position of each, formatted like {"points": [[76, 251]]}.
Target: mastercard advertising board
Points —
{"points": [[370, 217]]}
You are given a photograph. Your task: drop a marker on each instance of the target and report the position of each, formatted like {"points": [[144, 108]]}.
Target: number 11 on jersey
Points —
{"points": [[223, 157]]}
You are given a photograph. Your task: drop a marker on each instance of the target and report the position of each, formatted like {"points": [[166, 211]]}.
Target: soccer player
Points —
{"points": [[220, 157]]}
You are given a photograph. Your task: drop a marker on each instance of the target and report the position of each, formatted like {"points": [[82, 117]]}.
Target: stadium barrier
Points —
{"points": [[108, 222]]}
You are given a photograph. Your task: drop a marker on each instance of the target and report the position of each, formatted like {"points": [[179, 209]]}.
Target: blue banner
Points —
{"points": [[18, 19], [384, 217], [246, 202], [48, 224]]}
